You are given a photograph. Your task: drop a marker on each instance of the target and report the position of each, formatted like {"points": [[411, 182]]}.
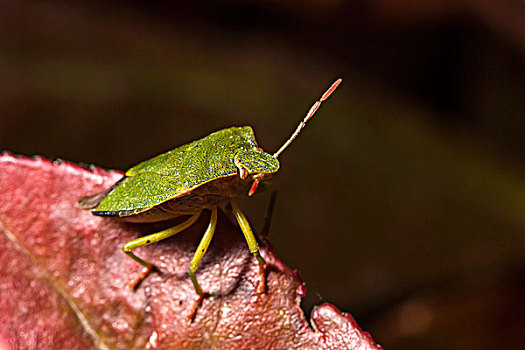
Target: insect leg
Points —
{"points": [[268, 217], [197, 258], [252, 242], [152, 238]]}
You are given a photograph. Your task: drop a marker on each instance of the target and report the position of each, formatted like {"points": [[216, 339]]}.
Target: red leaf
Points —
{"points": [[63, 278]]}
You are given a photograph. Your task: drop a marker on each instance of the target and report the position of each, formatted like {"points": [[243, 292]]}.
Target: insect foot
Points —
{"points": [[133, 284], [261, 288]]}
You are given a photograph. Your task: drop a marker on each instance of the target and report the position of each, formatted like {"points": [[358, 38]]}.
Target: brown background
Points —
{"points": [[402, 202]]}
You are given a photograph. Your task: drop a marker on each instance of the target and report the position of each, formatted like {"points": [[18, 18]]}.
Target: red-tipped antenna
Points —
{"points": [[309, 115]]}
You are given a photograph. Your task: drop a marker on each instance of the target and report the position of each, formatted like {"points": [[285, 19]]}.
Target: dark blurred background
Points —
{"points": [[402, 202]]}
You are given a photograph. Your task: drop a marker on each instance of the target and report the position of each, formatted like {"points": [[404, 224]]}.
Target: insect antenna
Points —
{"points": [[309, 115], [259, 177]]}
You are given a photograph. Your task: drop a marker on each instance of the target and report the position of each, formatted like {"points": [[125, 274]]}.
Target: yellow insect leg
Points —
{"points": [[252, 242], [154, 237], [197, 258]]}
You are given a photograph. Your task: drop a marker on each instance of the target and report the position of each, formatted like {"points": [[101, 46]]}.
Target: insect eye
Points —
{"points": [[243, 173]]}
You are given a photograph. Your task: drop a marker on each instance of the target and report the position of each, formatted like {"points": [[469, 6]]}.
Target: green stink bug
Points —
{"points": [[196, 176]]}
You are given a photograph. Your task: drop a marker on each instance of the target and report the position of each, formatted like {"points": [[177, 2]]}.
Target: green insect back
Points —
{"points": [[169, 175]]}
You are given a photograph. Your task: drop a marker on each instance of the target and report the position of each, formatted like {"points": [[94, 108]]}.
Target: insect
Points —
{"points": [[194, 177]]}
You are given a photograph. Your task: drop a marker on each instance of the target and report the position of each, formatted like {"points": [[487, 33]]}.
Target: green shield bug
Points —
{"points": [[197, 176]]}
